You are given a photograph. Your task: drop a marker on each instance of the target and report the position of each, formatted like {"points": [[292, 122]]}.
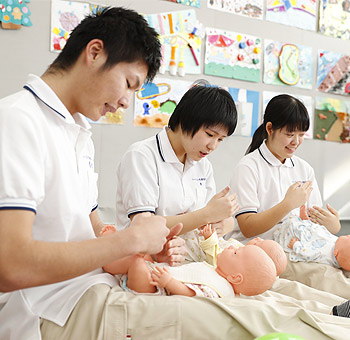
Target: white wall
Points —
{"points": [[27, 51]]}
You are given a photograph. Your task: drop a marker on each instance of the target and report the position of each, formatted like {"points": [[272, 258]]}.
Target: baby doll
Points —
{"points": [[247, 270], [212, 246], [274, 250], [306, 241]]}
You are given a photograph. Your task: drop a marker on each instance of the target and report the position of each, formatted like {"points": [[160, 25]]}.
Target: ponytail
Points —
{"points": [[259, 136], [282, 111]]}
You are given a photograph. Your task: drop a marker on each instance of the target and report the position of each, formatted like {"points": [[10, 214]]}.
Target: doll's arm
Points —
{"points": [[162, 278], [211, 248], [292, 242], [206, 231]]}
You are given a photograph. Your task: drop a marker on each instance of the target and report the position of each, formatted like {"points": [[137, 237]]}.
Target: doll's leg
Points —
{"points": [[122, 266], [139, 277]]}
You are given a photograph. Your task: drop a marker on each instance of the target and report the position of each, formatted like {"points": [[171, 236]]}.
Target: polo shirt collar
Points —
{"points": [[46, 95], [271, 159], [165, 149]]}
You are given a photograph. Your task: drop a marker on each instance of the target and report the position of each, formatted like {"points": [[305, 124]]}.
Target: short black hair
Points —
{"points": [[204, 106], [126, 37]]}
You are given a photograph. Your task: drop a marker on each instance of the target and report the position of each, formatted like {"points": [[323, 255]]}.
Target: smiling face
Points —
{"points": [[112, 88], [283, 143], [205, 141]]}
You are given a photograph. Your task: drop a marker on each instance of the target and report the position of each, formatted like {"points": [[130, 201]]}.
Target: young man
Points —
{"points": [[49, 254]]}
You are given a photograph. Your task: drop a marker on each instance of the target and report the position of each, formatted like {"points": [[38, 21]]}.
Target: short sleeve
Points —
{"points": [[22, 159], [244, 183], [138, 185]]}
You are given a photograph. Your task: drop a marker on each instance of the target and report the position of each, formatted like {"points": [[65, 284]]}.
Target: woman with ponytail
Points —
{"points": [[270, 181]]}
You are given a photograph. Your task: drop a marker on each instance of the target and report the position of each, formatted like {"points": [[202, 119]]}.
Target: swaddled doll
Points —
{"points": [[245, 270]]}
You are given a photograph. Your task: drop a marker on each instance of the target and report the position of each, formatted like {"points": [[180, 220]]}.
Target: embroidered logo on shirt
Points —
{"points": [[200, 180]]}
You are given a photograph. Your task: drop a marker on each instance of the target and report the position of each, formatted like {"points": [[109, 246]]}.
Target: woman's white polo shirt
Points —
{"points": [[261, 181], [151, 178]]}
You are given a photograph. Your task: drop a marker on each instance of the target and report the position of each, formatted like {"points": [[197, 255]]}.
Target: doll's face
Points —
{"points": [[233, 260], [342, 251], [249, 269]]}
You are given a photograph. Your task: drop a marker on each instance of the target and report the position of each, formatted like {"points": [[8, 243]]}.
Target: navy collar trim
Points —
{"points": [[159, 147], [261, 154], [35, 95]]}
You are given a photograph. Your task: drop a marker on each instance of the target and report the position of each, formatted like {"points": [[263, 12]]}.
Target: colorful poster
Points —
{"points": [[333, 72], [335, 18], [287, 64], [192, 3], [181, 37], [306, 100], [14, 14], [296, 13], [65, 16], [232, 55], [248, 8], [156, 101], [116, 117], [332, 120], [247, 104]]}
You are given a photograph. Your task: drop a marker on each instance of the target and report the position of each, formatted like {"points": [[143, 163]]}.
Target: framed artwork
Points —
{"points": [[232, 55], [333, 72], [287, 64], [296, 13], [156, 101], [332, 120]]}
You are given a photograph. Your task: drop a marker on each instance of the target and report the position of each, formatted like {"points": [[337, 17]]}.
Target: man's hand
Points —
{"points": [[174, 250], [149, 232]]}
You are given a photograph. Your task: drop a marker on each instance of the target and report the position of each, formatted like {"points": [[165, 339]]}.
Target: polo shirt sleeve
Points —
{"points": [[22, 156], [138, 181], [244, 183]]}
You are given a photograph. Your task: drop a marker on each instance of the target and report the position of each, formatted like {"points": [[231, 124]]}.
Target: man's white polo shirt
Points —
{"points": [[261, 181], [151, 178], [47, 166]]}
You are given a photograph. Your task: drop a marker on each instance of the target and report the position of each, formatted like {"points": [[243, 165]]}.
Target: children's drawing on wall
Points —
{"points": [[332, 120], [296, 13], [156, 101], [335, 18], [232, 55], [306, 100], [248, 8], [192, 3], [333, 72], [181, 37], [65, 16], [14, 14], [247, 103], [287, 64], [116, 117]]}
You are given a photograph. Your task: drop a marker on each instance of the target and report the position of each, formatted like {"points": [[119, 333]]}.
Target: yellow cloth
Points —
{"points": [[213, 246]]}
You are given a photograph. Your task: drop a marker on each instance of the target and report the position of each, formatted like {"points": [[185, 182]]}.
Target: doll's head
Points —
{"points": [[342, 251], [274, 250], [249, 269]]}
